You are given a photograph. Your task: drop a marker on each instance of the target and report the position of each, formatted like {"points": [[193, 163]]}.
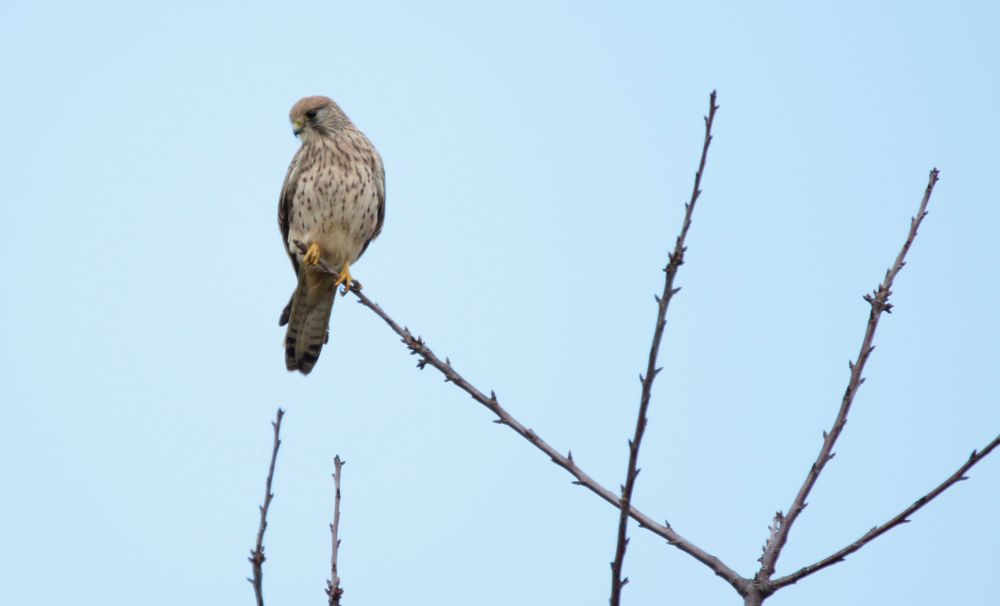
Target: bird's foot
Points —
{"points": [[312, 255], [345, 278]]}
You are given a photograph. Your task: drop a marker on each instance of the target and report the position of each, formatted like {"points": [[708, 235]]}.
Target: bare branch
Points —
{"points": [[257, 555], [901, 518], [427, 357], [879, 302], [333, 589], [676, 259]]}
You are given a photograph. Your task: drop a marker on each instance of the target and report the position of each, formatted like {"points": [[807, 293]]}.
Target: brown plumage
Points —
{"points": [[333, 201]]}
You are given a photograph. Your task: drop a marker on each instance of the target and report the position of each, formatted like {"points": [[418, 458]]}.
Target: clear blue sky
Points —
{"points": [[537, 157]]}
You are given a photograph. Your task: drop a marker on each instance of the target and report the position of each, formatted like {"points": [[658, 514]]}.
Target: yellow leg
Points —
{"points": [[312, 255], [345, 278]]}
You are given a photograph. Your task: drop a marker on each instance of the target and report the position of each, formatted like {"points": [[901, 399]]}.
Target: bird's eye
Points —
{"points": [[311, 114]]}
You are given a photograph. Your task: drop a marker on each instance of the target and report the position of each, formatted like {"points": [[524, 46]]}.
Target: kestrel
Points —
{"points": [[333, 201]]}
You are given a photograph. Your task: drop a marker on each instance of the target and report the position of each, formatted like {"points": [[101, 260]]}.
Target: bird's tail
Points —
{"points": [[308, 319]]}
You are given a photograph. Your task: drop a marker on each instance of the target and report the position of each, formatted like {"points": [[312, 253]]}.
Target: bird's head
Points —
{"points": [[314, 117]]}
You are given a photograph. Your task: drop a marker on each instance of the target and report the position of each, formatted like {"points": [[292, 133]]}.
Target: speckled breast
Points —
{"points": [[335, 204]]}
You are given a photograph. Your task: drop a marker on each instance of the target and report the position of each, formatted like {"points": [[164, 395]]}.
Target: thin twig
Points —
{"points": [[901, 518], [676, 259], [333, 588], [879, 302], [257, 555]]}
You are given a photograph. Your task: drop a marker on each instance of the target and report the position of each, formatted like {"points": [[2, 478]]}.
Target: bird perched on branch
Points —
{"points": [[332, 201]]}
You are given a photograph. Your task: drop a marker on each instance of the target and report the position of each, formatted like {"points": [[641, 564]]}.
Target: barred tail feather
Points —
{"points": [[308, 320]]}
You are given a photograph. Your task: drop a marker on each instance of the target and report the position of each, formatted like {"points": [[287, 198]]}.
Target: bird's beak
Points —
{"points": [[297, 127]]}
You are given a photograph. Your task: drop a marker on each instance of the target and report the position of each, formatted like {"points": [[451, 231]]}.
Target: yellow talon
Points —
{"points": [[345, 279], [312, 255]]}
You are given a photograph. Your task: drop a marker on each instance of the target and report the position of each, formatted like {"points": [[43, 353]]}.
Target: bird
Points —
{"points": [[333, 202]]}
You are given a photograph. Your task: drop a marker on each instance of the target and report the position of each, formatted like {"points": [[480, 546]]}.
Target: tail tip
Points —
{"points": [[304, 362]]}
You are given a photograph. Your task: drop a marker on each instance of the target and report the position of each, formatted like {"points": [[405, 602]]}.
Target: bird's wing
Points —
{"points": [[285, 206], [378, 173]]}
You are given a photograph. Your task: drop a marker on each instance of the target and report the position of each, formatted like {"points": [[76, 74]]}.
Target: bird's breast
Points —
{"points": [[335, 205]]}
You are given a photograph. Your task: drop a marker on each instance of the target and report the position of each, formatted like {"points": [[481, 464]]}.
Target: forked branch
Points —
{"points": [[902, 517], [676, 259], [756, 590], [257, 555], [879, 302]]}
